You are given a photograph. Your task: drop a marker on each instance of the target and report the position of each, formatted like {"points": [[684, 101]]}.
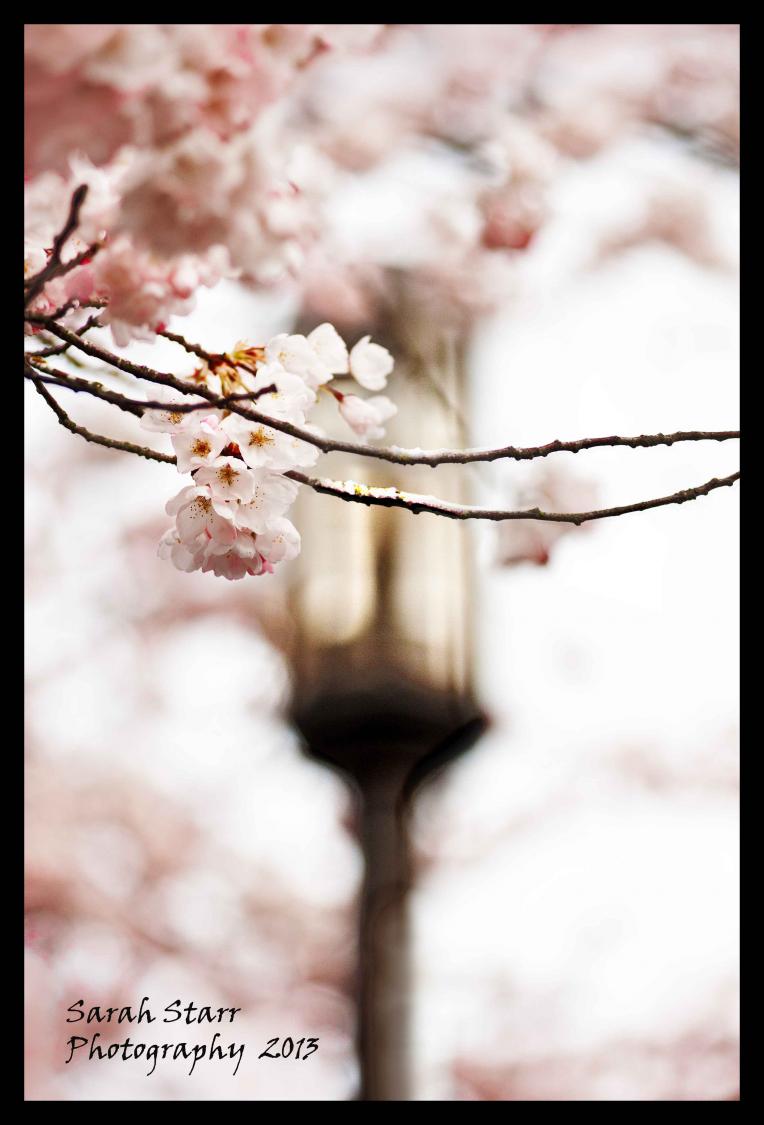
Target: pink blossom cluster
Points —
{"points": [[139, 288], [533, 541], [93, 88], [223, 145], [594, 81], [232, 519], [259, 195], [517, 102], [168, 223], [190, 180]]}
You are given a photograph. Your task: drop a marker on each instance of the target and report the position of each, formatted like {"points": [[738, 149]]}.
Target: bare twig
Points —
{"points": [[54, 266], [193, 349], [415, 503], [135, 406], [98, 439], [58, 349], [75, 303]]}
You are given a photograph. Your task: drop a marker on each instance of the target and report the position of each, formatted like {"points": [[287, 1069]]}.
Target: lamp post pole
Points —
{"points": [[381, 656]]}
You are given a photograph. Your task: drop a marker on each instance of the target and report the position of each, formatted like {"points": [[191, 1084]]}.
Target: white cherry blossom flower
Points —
{"points": [[35, 259], [231, 566], [227, 479], [234, 561], [184, 556], [195, 516], [298, 356], [367, 416], [280, 543], [199, 444], [240, 542], [185, 496], [370, 364], [292, 397], [265, 448], [167, 421], [272, 494], [330, 348]]}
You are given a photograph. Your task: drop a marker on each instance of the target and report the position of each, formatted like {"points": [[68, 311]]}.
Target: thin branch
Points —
{"points": [[135, 406], [193, 349], [76, 303], [393, 455], [71, 224], [98, 439], [44, 374], [415, 503], [383, 497], [59, 349], [44, 353], [54, 266], [532, 452]]}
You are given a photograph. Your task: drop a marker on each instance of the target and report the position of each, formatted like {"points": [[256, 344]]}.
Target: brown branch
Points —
{"points": [[412, 502], [98, 439], [362, 494], [530, 453], [54, 266], [58, 349], [72, 222], [394, 455], [193, 349], [41, 373], [135, 406], [75, 303]]}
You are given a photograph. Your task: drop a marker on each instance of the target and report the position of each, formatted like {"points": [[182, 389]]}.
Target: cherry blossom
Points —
{"points": [[263, 447], [235, 560], [199, 444], [144, 291], [292, 397], [272, 494], [170, 420], [370, 364], [227, 478], [182, 555], [366, 417], [280, 543], [228, 538], [196, 515], [330, 348], [231, 521], [96, 87], [298, 356]]}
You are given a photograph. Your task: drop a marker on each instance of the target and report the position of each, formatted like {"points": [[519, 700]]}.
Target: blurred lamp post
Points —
{"points": [[382, 664]]}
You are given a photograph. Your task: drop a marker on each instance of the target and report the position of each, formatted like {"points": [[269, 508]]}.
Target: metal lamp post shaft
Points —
{"points": [[381, 656]]}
